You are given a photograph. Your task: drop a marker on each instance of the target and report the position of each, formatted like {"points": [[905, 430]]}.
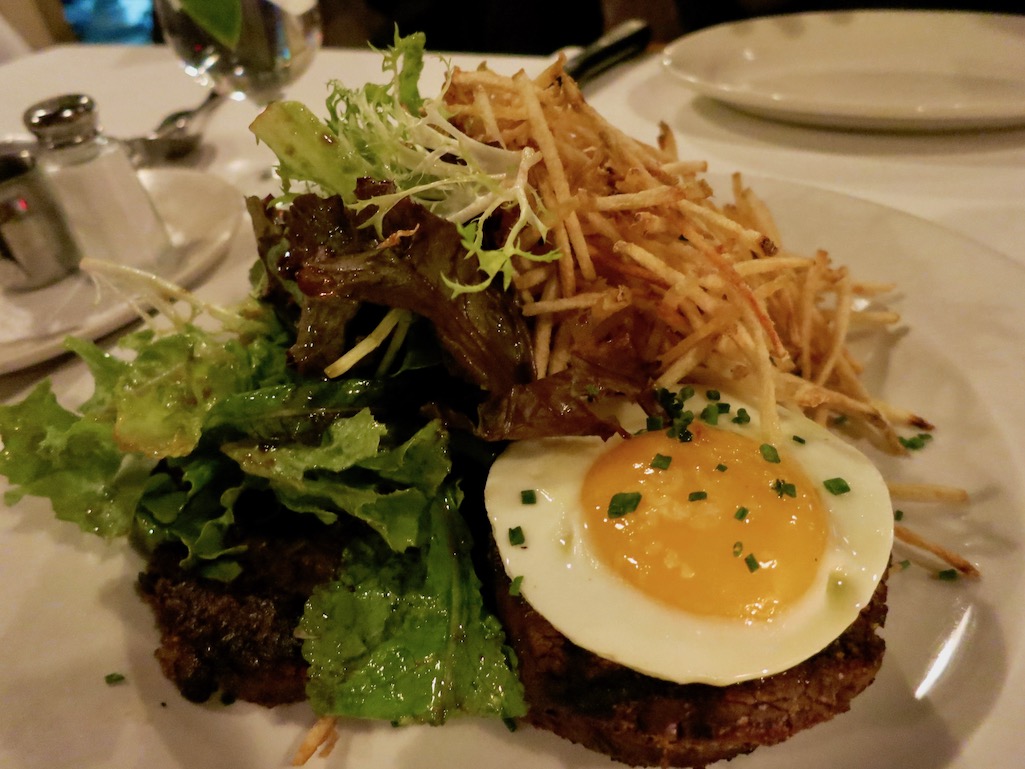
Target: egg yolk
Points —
{"points": [[718, 526]]}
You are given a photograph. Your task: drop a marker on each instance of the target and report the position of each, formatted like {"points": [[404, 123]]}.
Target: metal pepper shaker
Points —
{"points": [[109, 212], [36, 247]]}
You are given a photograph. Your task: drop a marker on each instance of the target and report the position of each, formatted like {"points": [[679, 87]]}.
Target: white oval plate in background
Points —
{"points": [[202, 213], [867, 70]]}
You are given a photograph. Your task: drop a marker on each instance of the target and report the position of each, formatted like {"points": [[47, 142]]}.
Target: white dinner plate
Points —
{"points": [[874, 70], [948, 695], [202, 213]]}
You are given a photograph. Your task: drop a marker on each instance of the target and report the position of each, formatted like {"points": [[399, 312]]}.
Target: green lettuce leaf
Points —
{"points": [[291, 411], [163, 398], [404, 636], [191, 500], [350, 472], [195, 429], [49, 451], [98, 464]]}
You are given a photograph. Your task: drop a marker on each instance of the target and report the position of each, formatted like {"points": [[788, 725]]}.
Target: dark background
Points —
{"points": [[499, 26]]}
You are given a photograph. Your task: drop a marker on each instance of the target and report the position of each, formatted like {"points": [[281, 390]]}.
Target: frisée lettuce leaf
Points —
{"points": [[388, 132]]}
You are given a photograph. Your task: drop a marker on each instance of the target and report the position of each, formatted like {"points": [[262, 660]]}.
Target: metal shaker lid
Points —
{"points": [[63, 121]]}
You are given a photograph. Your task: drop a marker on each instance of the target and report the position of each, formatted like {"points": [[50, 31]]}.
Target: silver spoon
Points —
{"points": [[176, 136]]}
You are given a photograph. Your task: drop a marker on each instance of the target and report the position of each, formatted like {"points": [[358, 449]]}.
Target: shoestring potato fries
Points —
{"points": [[644, 247], [705, 292]]}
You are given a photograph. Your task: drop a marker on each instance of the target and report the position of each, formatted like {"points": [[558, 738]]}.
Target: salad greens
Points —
{"points": [[390, 132], [172, 438]]}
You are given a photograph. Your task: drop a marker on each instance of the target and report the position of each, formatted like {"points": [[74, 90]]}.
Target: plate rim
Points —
{"points": [[929, 115]]}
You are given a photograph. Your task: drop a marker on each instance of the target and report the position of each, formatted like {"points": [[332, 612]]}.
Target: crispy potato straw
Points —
{"points": [[642, 240], [321, 736]]}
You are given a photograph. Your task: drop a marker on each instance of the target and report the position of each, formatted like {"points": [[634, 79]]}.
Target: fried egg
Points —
{"points": [[715, 558]]}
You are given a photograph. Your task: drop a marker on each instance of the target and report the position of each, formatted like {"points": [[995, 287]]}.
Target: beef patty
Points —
{"points": [[643, 721], [238, 638]]}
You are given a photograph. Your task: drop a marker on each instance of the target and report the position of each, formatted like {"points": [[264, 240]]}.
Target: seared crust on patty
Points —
{"points": [[643, 721], [238, 638]]}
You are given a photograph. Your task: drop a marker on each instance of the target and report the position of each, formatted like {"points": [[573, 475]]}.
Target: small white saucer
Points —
{"points": [[202, 213]]}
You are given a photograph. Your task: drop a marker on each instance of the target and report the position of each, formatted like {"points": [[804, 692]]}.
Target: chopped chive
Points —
{"points": [[710, 414], [679, 418], [696, 496], [661, 462], [784, 489], [528, 497], [654, 423], [799, 439], [114, 678], [769, 453], [680, 428], [515, 586], [516, 537], [622, 503], [720, 468], [741, 513], [836, 486], [752, 563], [947, 575], [915, 443], [898, 515], [738, 548], [668, 401], [713, 395], [742, 417], [724, 408], [684, 420], [905, 564]]}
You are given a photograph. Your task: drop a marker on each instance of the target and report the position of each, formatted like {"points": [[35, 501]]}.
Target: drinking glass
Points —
{"points": [[278, 41]]}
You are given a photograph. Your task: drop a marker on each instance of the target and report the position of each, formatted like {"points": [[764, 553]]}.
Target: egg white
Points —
{"points": [[599, 611]]}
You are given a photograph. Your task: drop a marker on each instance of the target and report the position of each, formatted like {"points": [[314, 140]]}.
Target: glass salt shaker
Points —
{"points": [[108, 210]]}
